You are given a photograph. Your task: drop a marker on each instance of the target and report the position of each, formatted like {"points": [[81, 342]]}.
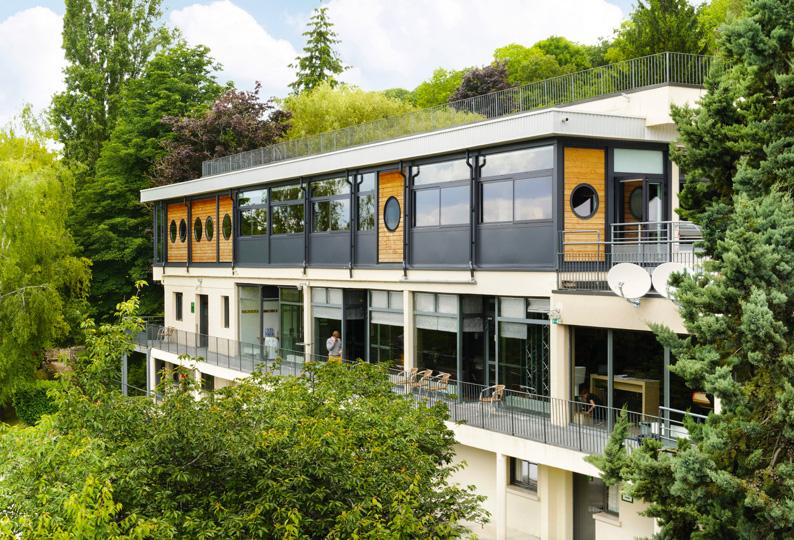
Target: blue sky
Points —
{"points": [[388, 43]]}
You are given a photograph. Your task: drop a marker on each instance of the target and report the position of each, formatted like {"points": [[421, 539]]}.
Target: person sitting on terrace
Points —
{"points": [[589, 402]]}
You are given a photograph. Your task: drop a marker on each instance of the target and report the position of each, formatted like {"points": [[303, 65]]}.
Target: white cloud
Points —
{"points": [[400, 43], [31, 60], [246, 50]]}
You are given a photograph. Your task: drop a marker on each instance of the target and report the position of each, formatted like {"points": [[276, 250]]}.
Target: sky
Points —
{"points": [[388, 43]]}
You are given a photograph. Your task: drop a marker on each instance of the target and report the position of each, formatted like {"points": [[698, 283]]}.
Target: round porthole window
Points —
{"points": [[209, 228], [635, 203], [182, 230], [391, 214], [197, 229], [227, 227], [584, 201], [172, 231]]}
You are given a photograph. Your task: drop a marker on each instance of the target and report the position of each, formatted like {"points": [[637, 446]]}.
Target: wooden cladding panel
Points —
{"points": [[225, 208], [203, 250], [584, 166], [390, 243], [177, 250]]}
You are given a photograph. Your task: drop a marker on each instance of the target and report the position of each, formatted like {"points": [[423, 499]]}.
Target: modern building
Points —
{"points": [[473, 240]]}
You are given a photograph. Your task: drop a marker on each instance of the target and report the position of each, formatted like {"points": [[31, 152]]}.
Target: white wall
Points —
{"points": [[627, 526]]}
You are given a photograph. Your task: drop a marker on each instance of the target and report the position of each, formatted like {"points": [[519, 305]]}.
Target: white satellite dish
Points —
{"points": [[629, 281], [661, 277]]}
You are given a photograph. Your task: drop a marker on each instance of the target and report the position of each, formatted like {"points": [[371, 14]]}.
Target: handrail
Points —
{"points": [[630, 75]]}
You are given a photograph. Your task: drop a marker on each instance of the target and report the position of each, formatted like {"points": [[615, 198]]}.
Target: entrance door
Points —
{"points": [[204, 320], [355, 324], [640, 212]]}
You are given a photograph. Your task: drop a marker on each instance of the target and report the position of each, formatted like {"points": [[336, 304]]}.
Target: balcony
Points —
{"points": [[585, 258], [558, 422]]}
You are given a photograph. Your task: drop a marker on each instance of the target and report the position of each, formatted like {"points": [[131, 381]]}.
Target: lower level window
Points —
{"points": [[524, 474]]}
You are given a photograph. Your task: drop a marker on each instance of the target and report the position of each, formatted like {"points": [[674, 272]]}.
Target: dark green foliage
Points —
{"points": [[320, 62], [112, 226], [615, 457], [480, 81], [31, 402], [734, 478], [658, 26]]}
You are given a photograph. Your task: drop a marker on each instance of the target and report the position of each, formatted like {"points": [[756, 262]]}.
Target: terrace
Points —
{"points": [[558, 422]]}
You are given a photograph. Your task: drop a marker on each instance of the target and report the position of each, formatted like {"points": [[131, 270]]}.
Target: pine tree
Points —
{"points": [[734, 476], [321, 62]]}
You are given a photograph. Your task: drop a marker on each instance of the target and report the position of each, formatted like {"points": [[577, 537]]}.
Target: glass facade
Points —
{"points": [[441, 193], [386, 327]]}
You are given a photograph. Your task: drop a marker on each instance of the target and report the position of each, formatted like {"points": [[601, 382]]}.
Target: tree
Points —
{"points": [[480, 81], [105, 43], [713, 15], [320, 62], [327, 108], [569, 55], [114, 227], [42, 284], [733, 476], [526, 64], [437, 89], [332, 453], [236, 122], [658, 26]]}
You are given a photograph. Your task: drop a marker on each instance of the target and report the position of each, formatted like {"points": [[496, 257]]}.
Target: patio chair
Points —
{"points": [[407, 376], [439, 383], [422, 381], [493, 396], [165, 332]]}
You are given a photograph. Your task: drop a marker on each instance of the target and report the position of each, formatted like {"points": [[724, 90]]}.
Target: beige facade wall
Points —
{"points": [[628, 525], [610, 311]]}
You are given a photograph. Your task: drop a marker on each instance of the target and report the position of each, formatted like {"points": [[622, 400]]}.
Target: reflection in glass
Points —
{"points": [[497, 201], [437, 350], [584, 201], [426, 207], [258, 196], [253, 222], [286, 193], [529, 159], [533, 198], [197, 229], [209, 228], [182, 230], [455, 205], [172, 231], [446, 171], [367, 182], [287, 219], [331, 216], [330, 187], [227, 226], [366, 212], [386, 344]]}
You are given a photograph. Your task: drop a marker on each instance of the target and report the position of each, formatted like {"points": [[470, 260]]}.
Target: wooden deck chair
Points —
{"points": [[439, 383], [493, 396], [422, 380]]}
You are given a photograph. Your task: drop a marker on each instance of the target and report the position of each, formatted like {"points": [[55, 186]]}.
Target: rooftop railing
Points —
{"points": [[585, 258], [659, 69]]}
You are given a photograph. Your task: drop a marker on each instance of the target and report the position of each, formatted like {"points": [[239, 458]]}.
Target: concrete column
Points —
{"points": [[560, 372], [555, 491], [500, 512], [409, 331], [124, 372], [308, 322], [150, 374]]}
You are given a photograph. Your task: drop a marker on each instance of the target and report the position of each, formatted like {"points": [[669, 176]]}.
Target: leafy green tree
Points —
{"points": [[658, 26], [237, 121], [480, 81], [113, 226], [733, 477], [320, 62], [333, 453], [569, 55], [42, 283], [527, 64], [400, 94], [106, 43], [713, 15], [327, 107], [438, 88]]}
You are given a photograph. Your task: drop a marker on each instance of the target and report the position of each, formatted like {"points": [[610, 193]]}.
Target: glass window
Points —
{"points": [[286, 193], [446, 171], [197, 229], [455, 205], [425, 302], [613, 500], [182, 230], [209, 228], [426, 207], [524, 474], [330, 187], [391, 214], [331, 215], [227, 226], [367, 182], [396, 300], [366, 212], [584, 201], [290, 294], [253, 222], [437, 350], [178, 306], [448, 303], [386, 344], [255, 197], [379, 299], [172, 231], [225, 302], [497, 201], [287, 219], [639, 161], [533, 198], [528, 159]]}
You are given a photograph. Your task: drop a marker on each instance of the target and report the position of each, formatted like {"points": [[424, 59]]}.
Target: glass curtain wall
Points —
{"points": [[327, 312], [437, 319], [479, 348], [441, 194], [522, 345], [291, 319], [366, 202], [330, 205], [386, 327]]}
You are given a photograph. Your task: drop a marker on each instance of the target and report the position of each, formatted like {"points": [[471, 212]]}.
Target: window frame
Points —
{"points": [[358, 195], [530, 486], [330, 199], [249, 207], [287, 203], [178, 306], [225, 311], [513, 179], [416, 170]]}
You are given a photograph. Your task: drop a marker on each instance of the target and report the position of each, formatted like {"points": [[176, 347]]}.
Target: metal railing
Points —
{"points": [[664, 68], [585, 259], [559, 422]]}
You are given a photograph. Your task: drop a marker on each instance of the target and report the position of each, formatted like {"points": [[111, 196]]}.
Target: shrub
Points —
{"points": [[31, 402]]}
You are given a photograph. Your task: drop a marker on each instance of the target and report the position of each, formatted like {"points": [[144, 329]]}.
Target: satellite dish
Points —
{"points": [[661, 277], [629, 281]]}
